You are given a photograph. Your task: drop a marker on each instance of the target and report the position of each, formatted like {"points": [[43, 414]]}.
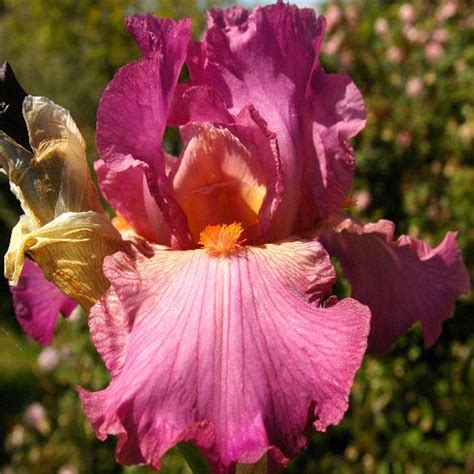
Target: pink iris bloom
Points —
{"points": [[219, 326], [222, 333]]}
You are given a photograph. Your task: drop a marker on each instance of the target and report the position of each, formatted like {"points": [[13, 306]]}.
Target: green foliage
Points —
{"points": [[410, 411]]}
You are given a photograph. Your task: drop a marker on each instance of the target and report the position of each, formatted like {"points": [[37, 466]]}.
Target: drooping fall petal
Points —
{"points": [[402, 282], [244, 57], [225, 352], [38, 303]]}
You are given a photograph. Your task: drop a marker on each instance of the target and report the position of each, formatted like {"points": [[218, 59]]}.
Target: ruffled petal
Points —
{"points": [[218, 181], [198, 104], [127, 191], [313, 114], [228, 353], [70, 250], [402, 282], [337, 114], [11, 100], [251, 131], [134, 109], [38, 302]]}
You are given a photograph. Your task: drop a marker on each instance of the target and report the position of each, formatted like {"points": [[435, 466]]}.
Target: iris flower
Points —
{"points": [[213, 311]]}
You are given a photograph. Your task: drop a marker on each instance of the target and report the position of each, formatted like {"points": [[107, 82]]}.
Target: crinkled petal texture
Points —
{"points": [[228, 353], [70, 250], [270, 59], [64, 229], [54, 177], [402, 282], [38, 303]]}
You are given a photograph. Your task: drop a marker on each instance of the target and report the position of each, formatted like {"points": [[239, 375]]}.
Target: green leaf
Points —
{"points": [[194, 457]]}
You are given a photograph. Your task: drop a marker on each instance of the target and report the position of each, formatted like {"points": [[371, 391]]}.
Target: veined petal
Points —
{"points": [[70, 250], [126, 189], [198, 104], [402, 282], [228, 353], [38, 302]]}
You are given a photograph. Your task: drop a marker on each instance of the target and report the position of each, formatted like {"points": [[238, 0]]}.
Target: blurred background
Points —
{"points": [[411, 411]]}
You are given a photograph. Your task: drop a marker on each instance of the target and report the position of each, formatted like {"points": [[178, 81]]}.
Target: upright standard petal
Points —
{"points": [[127, 191], [402, 282], [196, 108], [134, 109], [228, 353], [312, 114], [38, 303], [336, 114]]}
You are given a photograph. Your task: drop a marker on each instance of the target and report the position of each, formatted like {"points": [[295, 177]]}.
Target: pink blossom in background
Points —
{"points": [[414, 35], [35, 416], [346, 59], [333, 16], [48, 359], [394, 54], [404, 138], [414, 87], [446, 10], [440, 35], [362, 199], [333, 44], [433, 51], [406, 13], [381, 26]]}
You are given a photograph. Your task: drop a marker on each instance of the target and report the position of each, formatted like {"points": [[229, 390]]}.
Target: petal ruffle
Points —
{"points": [[200, 105], [227, 353], [313, 114], [402, 282], [126, 189], [337, 114], [134, 107], [38, 302]]}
